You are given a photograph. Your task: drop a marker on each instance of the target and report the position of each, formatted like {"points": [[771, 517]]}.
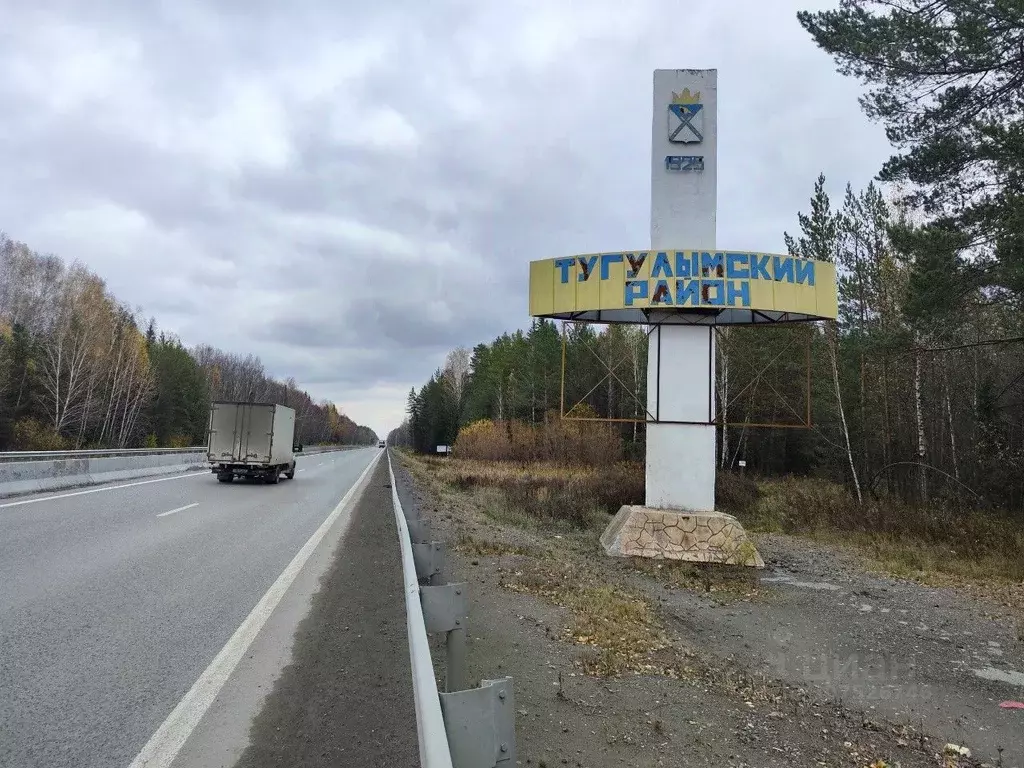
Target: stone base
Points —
{"points": [[699, 537]]}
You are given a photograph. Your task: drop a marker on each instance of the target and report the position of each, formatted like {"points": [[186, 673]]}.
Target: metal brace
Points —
{"points": [[429, 558], [419, 531], [444, 608], [480, 723]]}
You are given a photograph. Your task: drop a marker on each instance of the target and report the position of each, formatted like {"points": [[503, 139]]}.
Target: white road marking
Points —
{"points": [[300, 470], [164, 745], [179, 509], [97, 490]]}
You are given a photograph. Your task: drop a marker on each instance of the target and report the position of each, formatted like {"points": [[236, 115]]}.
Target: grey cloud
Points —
{"points": [[349, 190]]}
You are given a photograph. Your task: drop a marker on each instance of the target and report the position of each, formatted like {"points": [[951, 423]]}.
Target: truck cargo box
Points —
{"points": [[251, 439]]}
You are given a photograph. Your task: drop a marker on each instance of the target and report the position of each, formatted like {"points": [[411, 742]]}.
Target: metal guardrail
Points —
{"points": [[434, 752], [92, 454], [461, 727], [101, 453]]}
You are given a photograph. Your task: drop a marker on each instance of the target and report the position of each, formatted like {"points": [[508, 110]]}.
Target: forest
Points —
{"points": [[917, 389], [80, 369]]}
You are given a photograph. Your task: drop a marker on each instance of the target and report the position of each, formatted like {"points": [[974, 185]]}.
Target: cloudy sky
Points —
{"points": [[350, 189]]}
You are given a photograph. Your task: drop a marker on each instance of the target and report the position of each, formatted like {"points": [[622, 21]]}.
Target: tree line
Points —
{"points": [[80, 369], [918, 388]]}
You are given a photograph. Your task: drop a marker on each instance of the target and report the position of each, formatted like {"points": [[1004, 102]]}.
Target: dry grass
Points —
{"points": [[618, 627], [935, 542], [940, 544], [580, 497], [471, 545], [724, 582]]}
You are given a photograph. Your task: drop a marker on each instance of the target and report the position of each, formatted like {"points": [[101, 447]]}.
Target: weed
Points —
{"points": [[470, 545], [726, 581], [618, 628], [580, 497], [905, 539]]}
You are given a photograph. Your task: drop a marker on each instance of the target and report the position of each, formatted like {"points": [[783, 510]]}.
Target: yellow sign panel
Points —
{"points": [[699, 287]]}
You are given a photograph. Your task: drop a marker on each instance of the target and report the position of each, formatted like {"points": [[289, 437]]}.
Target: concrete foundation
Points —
{"points": [[698, 537]]}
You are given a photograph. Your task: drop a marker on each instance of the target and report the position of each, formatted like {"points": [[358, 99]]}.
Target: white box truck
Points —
{"points": [[253, 440]]}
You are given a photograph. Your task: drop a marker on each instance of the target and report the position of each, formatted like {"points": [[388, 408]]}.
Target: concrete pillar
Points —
{"points": [[678, 520], [681, 457]]}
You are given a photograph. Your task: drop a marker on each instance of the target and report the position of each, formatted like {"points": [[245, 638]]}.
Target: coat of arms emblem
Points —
{"points": [[686, 118]]}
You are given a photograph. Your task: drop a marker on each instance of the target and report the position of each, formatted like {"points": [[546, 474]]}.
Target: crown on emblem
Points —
{"points": [[685, 97]]}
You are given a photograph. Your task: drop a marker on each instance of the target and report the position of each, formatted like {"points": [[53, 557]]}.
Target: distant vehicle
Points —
{"points": [[253, 440], [382, 444]]}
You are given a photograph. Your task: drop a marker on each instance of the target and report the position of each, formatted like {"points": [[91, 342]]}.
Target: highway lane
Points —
{"points": [[113, 603]]}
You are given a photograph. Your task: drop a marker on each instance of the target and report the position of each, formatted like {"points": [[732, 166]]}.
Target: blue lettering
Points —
{"points": [[635, 289], [661, 266], [711, 265], [759, 267], [564, 265], [736, 266], [607, 259], [718, 299], [662, 295], [805, 271], [683, 265], [783, 267], [586, 267], [738, 290], [688, 292], [636, 263]]}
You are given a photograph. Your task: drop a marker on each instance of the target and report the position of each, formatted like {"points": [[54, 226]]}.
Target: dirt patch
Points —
{"points": [[620, 662]]}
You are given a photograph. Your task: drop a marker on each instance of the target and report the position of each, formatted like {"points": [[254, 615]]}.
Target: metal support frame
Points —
{"points": [[481, 725], [419, 531], [445, 609], [804, 420], [648, 416], [429, 559], [654, 418]]}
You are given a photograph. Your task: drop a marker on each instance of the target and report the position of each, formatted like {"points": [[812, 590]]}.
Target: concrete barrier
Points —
{"points": [[37, 474], [22, 477]]}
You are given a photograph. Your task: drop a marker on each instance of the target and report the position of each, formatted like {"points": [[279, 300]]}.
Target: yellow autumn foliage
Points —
{"points": [[562, 441]]}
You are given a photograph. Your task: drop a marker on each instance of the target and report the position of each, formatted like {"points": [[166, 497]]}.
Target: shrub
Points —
{"points": [[567, 442], [735, 493], [32, 435]]}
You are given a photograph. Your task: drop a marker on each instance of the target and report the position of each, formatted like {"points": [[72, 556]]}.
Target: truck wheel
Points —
{"points": [[290, 474], [273, 476], [227, 477]]}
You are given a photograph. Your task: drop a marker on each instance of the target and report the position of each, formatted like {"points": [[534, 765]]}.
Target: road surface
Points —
{"points": [[144, 623]]}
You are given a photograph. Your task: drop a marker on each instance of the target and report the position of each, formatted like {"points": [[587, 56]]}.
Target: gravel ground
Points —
{"points": [[346, 698], [817, 663]]}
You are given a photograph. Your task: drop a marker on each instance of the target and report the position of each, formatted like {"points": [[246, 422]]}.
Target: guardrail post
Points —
{"points": [[419, 531], [429, 559], [445, 609], [480, 723]]}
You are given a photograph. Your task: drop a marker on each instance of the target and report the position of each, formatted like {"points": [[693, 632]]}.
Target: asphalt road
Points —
{"points": [[113, 604]]}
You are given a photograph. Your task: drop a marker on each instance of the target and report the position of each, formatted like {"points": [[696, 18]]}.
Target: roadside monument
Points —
{"points": [[682, 287]]}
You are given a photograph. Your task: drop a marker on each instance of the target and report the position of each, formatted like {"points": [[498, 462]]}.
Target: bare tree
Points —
{"points": [[456, 371]]}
